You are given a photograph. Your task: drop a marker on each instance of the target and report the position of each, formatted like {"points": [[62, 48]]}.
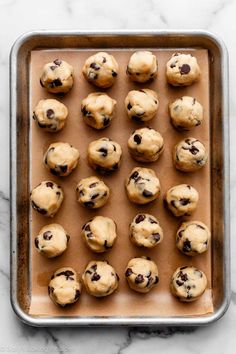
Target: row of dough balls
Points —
{"points": [[100, 279], [100, 234], [98, 110], [101, 70]]}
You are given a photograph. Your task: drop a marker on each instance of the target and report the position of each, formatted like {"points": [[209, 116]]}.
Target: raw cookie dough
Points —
{"points": [[141, 274], [100, 278], [142, 66], [142, 185], [141, 105], [46, 198], [182, 200], [182, 70], [98, 110], [57, 76], [52, 240], [192, 238], [186, 113], [145, 231], [104, 155], [64, 287], [101, 69], [61, 159], [99, 233], [189, 155], [146, 145], [92, 192], [188, 283], [50, 114]]}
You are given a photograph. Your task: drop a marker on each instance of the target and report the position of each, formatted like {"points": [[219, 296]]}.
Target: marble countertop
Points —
{"points": [[19, 16]]}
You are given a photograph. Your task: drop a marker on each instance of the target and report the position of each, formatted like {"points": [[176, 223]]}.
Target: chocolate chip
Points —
{"points": [[178, 282], [184, 201], [117, 277], [106, 245], [50, 113], [68, 237], [198, 273], [104, 60], [67, 273], [136, 118], [114, 74], [89, 204], [40, 210], [95, 66], [172, 202], [200, 227], [152, 221], [181, 268], [185, 69], [150, 280], [34, 116], [128, 71], [84, 111], [86, 227], [194, 101], [49, 184], [139, 279], [50, 289], [186, 246], [156, 237], [173, 65], [41, 83], [92, 75], [89, 235], [106, 121], [156, 280], [36, 242], [139, 218], [53, 67], [41, 125], [128, 272], [94, 196], [92, 185], [129, 106], [77, 294], [63, 168], [114, 147], [104, 151], [194, 150], [147, 194], [182, 276], [134, 175], [57, 62], [88, 272], [54, 172], [95, 277], [188, 141], [56, 83], [137, 139], [47, 235], [94, 267], [180, 233]]}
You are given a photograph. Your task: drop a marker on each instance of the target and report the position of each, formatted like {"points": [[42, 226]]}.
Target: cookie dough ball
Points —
{"points": [[141, 274], [146, 145], [142, 66], [99, 234], [98, 110], [104, 155], [57, 76], [100, 278], [186, 113], [145, 231], [64, 287], [101, 69], [46, 198], [188, 283], [50, 115], [182, 70], [193, 238], [189, 155], [142, 185], [141, 105], [92, 192], [52, 240], [182, 200], [61, 159]]}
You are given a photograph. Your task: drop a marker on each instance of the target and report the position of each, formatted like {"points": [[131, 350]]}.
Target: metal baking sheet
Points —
{"points": [[20, 150]]}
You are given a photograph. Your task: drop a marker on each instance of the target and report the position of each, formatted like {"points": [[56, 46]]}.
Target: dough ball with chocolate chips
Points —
{"points": [[57, 76], [98, 110], [64, 287], [182, 200], [186, 113], [145, 231], [146, 145], [50, 115], [52, 240], [61, 159], [182, 70], [104, 155], [100, 279], [92, 192], [46, 198], [189, 155], [142, 185], [193, 238], [141, 274], [101, 69], [141, 105], [142, 66], [188, 283], [99, 233]]}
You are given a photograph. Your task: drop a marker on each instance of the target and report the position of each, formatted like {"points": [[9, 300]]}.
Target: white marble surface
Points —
{"points": [[19, 16]]}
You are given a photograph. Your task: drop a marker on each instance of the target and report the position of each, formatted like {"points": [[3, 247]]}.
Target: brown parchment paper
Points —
{"points": [[124, 302]]}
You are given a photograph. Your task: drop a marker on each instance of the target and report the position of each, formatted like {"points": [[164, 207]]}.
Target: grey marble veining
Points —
{"points": [[19, 16]]}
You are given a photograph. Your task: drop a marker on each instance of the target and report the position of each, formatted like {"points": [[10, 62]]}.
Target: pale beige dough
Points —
{"points": [[182, 200], [141, 274], [92, 192], [188, 283], [46, 198], [64, 287], [193, 238], [101, 69], [146, 145], [100, 279], [99, 234], [145, 231], [57, 76], [141, 105], [142, 66], [50, 114]]}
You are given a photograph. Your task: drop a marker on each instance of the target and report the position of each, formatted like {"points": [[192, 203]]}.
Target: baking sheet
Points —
{"points": [[124, 302]]}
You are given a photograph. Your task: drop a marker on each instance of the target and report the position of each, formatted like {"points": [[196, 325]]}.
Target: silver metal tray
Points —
{"points": [[19, 157]]}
